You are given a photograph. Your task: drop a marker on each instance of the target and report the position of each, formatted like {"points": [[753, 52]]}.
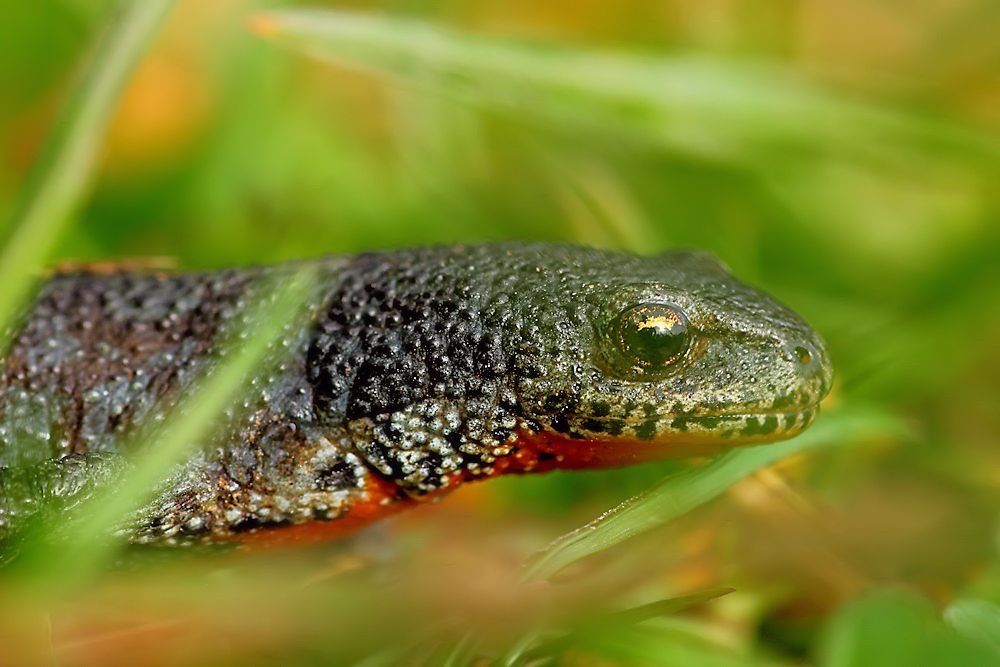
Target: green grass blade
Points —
{"points": [[680, 493], [712, 108], [90, 527], [59, 177], [976, 619], [611, 624], [670, 643], [666, 606]]}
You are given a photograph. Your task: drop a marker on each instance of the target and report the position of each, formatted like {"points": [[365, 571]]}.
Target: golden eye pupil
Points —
{"points": [[653, 335], [659, 323]]}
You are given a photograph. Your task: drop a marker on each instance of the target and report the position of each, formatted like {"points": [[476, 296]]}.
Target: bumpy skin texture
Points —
{"points": [[411, 372]]}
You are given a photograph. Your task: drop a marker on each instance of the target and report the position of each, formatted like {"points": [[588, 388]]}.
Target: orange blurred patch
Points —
{"points": [[27, 130], [162, 112], [855, 39], [544, 19]]}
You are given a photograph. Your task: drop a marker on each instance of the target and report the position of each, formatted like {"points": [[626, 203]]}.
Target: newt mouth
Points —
{"points": [[749, 426], [583, 443]]}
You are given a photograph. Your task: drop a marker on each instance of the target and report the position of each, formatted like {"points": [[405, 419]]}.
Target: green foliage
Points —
{"points": [[896, 629], [712, 109], [864, 196], [976, 619]]}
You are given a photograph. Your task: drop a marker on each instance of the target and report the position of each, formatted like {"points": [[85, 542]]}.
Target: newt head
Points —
{"points": [[664, 356]]}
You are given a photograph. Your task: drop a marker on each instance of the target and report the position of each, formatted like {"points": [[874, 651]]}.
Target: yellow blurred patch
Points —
{"points": [[161, 114]]}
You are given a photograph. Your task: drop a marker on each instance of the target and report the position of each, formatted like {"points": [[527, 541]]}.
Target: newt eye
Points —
{"points": [[651, 335]]}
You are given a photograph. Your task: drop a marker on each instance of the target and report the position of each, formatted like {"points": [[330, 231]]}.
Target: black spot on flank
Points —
{"points": [[340, 475], [646, 430], [753, 427], [546, 456], [614, 426], [782, 401], [710, 422], [770, 424], [679, 423], [559, 424], [245, 525], [600, 409], [593, 425], [789, 420], [323, 515], [560, 401]]}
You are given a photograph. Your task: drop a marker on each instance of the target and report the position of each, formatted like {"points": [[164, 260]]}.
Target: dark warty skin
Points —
{"points": [[412, 372]]}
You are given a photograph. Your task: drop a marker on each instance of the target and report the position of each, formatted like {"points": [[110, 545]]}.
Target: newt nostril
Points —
{"points": [[809, 359], [806, 358]]}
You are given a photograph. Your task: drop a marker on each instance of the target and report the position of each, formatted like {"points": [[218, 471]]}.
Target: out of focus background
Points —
{"points": [[844, 156]]}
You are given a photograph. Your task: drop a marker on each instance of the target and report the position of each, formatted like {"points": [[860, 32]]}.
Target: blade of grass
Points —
{"points": [[667, 606], [671, 641], [680, 493], [712, 108], [89, 529], [977, 619], [463, 652], [59, 176], [608, 623]]}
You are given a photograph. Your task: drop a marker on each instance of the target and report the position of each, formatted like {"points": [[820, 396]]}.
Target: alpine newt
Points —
{"points": [[412, 372]]}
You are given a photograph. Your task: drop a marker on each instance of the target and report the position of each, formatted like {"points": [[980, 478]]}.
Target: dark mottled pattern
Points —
{"points": [[416, 366]]}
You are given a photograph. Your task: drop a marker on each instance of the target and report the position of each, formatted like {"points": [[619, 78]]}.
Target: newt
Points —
{"points": [[413, 372]]}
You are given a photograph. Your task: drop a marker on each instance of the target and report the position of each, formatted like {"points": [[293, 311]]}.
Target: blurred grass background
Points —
{"points": [[844, 156]]}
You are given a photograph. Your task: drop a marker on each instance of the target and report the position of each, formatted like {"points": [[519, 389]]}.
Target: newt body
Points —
{"points": [[412, 372]]}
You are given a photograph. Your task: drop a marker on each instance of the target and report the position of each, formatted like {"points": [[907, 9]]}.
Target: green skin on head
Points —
{"points": [[411, 372]]}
